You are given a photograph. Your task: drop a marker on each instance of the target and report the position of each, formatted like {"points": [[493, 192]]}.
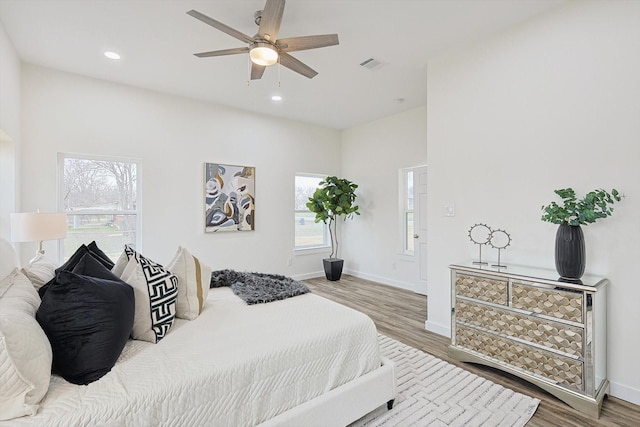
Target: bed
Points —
{"points": [[300, 361]]}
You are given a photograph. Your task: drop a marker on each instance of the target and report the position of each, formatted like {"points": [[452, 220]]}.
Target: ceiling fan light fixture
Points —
{"points": [[263, 54]]}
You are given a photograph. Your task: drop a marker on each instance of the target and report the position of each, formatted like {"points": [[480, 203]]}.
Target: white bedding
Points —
{"points": [[235, 365]]}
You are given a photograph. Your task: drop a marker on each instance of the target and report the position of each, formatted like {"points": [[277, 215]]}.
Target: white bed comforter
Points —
{"points": [[235, 365]]}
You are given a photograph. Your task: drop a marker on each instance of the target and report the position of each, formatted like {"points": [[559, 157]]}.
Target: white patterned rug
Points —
{"points": [[432, 392]]}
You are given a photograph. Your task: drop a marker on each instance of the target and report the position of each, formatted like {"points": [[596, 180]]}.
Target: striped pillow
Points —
{"points": [[193, 283]]}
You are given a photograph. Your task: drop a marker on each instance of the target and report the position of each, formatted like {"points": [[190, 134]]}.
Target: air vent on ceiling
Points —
{"points": [[371, 64]]}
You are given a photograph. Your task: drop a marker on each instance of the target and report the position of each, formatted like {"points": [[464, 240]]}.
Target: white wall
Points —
{"points": [[9, 130], [173, 137], [372, 155], [552, 103]]}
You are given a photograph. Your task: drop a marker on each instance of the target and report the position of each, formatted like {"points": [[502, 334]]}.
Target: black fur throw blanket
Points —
{"points": [[255, 288]]}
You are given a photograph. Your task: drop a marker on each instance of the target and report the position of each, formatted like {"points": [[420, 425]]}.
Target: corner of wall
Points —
{"points": [[437, 328]]}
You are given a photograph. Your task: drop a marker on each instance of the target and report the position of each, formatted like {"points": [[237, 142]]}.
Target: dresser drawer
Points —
{"points": [[563, 370], [482, 288], [553, 335], [550, 302]]}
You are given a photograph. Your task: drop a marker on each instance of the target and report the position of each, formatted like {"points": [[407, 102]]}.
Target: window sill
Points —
{"points": [[312, 251]]}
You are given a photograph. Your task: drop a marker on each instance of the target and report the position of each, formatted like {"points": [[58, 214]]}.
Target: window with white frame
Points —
{"points": [[100, 196], [308, 233], [407, 211]]}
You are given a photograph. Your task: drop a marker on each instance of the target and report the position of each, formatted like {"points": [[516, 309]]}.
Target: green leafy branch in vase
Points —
{"points": [[573, 211]]}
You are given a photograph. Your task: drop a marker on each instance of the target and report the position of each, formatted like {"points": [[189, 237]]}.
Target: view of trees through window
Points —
{"points": [[99, 197], [308, 233]]}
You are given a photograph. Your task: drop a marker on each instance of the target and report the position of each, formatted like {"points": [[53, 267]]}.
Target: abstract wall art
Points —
{"points": [[229, 198]]}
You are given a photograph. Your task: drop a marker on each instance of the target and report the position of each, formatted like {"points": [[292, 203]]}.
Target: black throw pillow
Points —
{"points": [[73, 259], [89, 265], [97, 252], [87, 320], [80, 252], [91, 249]]}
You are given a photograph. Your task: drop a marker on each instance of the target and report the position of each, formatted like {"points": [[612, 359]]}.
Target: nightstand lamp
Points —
{"points": [[38, 226]]}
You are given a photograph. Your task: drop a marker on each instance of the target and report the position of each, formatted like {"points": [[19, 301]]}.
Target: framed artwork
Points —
{"points": [[229, 198]]}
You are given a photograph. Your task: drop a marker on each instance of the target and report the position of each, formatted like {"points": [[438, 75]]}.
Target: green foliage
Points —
{"points": [[334, 197], [574, 211]]}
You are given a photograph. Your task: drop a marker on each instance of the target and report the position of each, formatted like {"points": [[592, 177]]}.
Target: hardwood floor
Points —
{"points": [[400, 314]]}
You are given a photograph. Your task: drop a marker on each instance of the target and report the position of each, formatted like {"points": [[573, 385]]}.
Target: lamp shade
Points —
{"points": [[38, 226]]}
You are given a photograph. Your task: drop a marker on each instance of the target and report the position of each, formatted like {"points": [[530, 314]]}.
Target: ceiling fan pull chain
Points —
{"points": [[248, 70], [279, 70]]}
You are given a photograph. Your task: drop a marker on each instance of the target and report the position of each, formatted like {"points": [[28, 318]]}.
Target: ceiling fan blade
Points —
{"points": [[270, 20], [307, 42], [223, 52], [299, 67], [257, 71], [220, 26]]}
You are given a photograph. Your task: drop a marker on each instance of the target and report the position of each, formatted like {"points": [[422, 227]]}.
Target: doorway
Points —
{"points": [[414, 222]]}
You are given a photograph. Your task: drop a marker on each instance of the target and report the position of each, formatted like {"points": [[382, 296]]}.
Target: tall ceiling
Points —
{"points": [[157, 40]]}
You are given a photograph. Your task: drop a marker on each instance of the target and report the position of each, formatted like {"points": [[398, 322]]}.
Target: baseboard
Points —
{"points": [[624, 392], [373, 278], [383, 280], [437, 328], [306, 276]]}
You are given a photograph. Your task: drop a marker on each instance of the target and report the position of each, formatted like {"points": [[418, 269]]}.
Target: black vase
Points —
{"points": [[570, 254], [333, 268]]}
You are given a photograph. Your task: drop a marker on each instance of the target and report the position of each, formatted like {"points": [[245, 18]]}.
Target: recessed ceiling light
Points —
{"points": [[112, 55], [276, 98]]}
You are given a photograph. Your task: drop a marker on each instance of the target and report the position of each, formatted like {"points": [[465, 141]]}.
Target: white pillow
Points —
{"points": [[8, 258], [25, 352], [25, 364], [155, 290], [17, 293], [194, 279], [40, 270], [120, 264]]}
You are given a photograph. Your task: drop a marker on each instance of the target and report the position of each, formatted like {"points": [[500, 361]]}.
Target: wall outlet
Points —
{"points": [[449, 210], [289, 262]]}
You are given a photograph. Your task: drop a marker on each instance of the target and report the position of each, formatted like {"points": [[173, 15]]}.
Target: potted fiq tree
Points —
{"points": [[334, 198]]}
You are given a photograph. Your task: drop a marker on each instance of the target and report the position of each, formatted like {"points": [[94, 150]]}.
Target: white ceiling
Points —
{"points": [[157, 39]]}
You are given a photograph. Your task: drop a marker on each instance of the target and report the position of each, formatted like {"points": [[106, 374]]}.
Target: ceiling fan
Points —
{"points": [[265, 48]]}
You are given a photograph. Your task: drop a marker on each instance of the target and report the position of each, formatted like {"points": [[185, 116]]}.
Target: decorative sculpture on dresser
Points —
{"points": [[499, 239], [480, 234]]}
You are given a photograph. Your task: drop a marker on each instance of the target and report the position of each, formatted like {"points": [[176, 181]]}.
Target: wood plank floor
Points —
{"points": [[400, 314]]}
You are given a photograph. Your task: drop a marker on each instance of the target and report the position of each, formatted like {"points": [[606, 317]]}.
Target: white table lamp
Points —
{"points": [[38, 226]]}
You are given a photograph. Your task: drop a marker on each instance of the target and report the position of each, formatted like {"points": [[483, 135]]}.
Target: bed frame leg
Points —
{"points": [[390, 404]]}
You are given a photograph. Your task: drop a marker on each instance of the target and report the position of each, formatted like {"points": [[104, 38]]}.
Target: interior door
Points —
{"points": [[420, 226]]}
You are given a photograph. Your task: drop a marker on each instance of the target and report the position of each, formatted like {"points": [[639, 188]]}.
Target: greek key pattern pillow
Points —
{"points": [[156, 292]]}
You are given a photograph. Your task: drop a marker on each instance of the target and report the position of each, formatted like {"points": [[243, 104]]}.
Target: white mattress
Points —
{"points": [[235, 365]]}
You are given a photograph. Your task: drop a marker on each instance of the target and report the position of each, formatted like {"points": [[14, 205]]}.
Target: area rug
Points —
{"points": [[432, 392]]}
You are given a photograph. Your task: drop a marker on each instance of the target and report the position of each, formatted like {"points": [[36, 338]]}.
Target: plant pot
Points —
{"points": [[333, 268], [570, 252]]}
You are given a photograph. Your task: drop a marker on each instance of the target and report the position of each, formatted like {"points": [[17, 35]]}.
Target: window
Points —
{"points": [[308, 233], [407, 210], [100, 197]]}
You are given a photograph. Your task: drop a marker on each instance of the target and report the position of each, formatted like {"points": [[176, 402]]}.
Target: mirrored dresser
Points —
{"points": [[527, 322]]}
